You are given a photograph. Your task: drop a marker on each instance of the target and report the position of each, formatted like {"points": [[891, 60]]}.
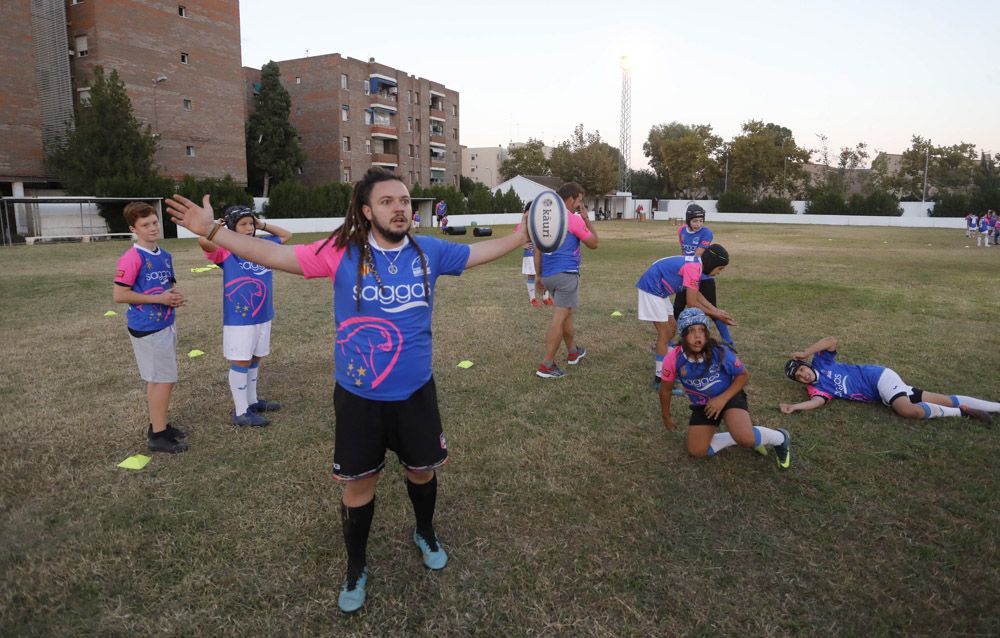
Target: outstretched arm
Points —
{"points": [[811, 404], [826, 343], [198, 219], [486, 251]]}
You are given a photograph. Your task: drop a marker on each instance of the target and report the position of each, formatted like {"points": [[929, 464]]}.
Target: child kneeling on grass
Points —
{"points": [[247, 312], [713, 377], [145, 281]]}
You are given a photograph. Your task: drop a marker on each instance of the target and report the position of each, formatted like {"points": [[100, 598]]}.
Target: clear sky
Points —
{"points": [[877, 71]]}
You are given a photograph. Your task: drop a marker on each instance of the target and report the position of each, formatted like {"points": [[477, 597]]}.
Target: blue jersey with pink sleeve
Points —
{"points": [[247, 289], [566, 258], [150, 273], [984, 224], [692, 241], [702, 381], [844, 380], [666, 276], [529, 248], [383, 350]]}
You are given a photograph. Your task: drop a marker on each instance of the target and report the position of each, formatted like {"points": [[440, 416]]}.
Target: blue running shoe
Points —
{"points": [[352, 594], [265, 406], [250, 418], [434, 555]]}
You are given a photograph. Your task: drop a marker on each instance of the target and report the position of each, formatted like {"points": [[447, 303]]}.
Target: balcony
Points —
{"points": [[437, 139], [385, 159], [389, 132], [385, 100], [437, 113]]}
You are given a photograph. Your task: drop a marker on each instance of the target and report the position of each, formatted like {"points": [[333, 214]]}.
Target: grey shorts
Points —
{"points": [[564, 287], [156, 355]]}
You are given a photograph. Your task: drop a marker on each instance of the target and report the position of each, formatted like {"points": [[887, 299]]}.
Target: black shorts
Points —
{"points": [[698, 416], [366, 428]]}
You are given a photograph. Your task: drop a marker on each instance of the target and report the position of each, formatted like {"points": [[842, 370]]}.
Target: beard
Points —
{"points": [[392, 235]]}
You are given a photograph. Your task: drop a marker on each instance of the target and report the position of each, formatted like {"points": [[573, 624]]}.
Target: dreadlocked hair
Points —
{"points": [[353, 233]]}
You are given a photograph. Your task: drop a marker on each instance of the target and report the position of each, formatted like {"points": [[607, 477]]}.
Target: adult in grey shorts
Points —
{"points": [[156, 355], [564, 287]]}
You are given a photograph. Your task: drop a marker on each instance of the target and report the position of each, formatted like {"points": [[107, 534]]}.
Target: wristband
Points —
{"points": [[211, 233]]}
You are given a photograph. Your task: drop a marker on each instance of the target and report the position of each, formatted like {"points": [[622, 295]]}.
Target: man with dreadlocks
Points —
{"points": [[383, 282], [247, 312]]}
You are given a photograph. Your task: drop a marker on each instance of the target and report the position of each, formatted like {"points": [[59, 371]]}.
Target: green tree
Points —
{"points": [[948, 169], [685, 158], [480, 200], [647, 185], [273, 152], [107, 143], [587, 160], [527, 159], [765, 158]]}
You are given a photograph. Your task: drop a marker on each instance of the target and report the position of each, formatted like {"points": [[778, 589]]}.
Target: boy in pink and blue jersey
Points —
{"points": [[559, 273], [827, 379], [714, 378], [383, 294], [983, 238], [695, 238], [247, 312], [145, 281]]}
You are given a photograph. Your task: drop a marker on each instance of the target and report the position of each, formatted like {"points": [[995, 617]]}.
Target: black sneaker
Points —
{"points": [[177, 433], [784, 451], [262, 405], [163, 442]]}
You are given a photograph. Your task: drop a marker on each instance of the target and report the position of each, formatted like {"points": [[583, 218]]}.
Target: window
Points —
{"points": [[416, 125], [345, 144], [411, 150], [182, 11], [416, 97], [187, 105], [83, 94], [454, 109], [368, 147], [368, 87], [343, 80], [347, 173], [454, 133], [454, 155], [409, 125], [369, 117], [189, 151], [344, 112], [411, 178], [81, 46], [77, 1], [298, 170], [184, 58], [409, 96], [298, 79]]}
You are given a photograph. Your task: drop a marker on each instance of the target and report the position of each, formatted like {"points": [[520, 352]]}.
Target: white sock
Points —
{"points": [[659, 365], [252, 374], [973, 402], [767, 436], [935, 411], [238, 388], [720, 441], [531, 289]]}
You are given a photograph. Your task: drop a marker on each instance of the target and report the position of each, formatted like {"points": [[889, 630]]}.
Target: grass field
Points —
{"points": [[567, 509]]}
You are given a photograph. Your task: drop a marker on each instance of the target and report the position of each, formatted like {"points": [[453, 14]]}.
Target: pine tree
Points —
{"points": [[273, 152], [108, 141]]}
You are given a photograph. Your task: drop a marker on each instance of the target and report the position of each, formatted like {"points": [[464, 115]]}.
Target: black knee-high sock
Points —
{"points": [[357, 522], [424, 498]]}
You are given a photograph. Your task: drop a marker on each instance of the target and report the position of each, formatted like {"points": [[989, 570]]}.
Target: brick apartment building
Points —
{"points": [[351, 115], [180, 63]]}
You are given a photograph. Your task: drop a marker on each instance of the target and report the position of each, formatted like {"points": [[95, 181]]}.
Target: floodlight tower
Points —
{"points": [[625, 143]]}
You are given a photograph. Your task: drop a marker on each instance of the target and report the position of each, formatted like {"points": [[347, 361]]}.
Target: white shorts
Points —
{"points": [[156, 355], [653, 308], [528, 266], [242, 343], [891, 386]]}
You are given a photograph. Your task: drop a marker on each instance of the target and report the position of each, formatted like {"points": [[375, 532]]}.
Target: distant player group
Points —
{"points": [[983, 227], [383, 280]]}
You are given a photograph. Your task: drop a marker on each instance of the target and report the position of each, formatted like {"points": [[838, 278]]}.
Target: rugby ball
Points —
{"points": [[547, 221]]}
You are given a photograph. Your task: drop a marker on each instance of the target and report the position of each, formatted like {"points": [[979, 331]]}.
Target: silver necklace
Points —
{"points": [[392, 262]]}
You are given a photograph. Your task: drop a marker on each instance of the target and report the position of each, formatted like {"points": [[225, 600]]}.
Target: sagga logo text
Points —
{"points": [[255, 268], [163, 276], [397, 297]]}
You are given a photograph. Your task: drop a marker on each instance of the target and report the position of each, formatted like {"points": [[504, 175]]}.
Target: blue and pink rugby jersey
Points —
{"points": [[666, 276], [566, 258], [702, 381], [844, 380], [692, 241], [383, 351], [149, 273], [248, 287]]}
